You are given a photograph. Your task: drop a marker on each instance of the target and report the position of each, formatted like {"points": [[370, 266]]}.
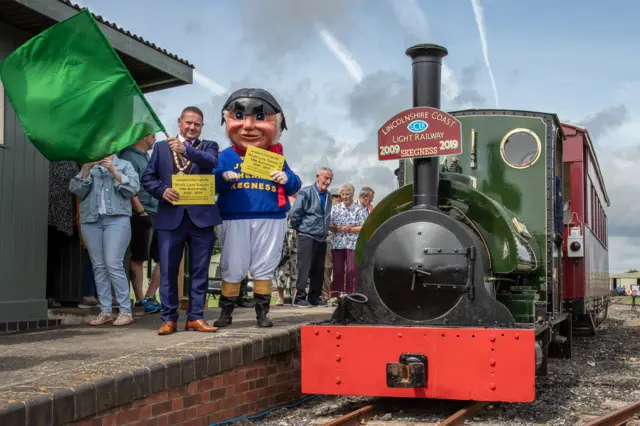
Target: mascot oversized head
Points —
{"points": [[253, 118]]}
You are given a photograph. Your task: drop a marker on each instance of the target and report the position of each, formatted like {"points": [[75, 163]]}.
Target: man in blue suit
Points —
{"points": [[177, 224]]}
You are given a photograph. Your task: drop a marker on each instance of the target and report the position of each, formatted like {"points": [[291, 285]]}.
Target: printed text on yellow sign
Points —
{"points": [[261, 163], [194, 189]]}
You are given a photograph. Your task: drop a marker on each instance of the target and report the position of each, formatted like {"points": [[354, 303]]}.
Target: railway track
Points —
{"points": [[623, 415], [363, 415], [357, 417]]}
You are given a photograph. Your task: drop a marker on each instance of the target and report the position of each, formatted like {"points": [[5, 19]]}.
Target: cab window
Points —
{"points": [[520, 148]]}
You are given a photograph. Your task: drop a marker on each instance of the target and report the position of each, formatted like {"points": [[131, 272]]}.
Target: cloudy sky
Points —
{"points": [[339, 70]]}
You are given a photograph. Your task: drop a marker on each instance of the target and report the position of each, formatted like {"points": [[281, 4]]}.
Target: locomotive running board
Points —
{"points": [[480, 364]]}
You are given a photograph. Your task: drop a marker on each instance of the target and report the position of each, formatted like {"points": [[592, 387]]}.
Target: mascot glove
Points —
{"points": [[230, 176], [280, 177]]}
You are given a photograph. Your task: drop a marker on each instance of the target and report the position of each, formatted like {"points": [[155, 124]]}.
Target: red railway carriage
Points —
{"points": [[585, 264]]}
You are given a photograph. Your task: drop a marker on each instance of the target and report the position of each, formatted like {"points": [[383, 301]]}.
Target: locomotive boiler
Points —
{"points": [[458, 294]]}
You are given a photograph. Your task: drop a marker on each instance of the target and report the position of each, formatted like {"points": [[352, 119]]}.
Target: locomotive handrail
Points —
{"points": [[415, 270], [365, 299], [581, 224]]}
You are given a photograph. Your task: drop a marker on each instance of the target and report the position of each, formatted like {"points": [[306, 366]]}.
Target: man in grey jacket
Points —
{"points": [[310, 216]]}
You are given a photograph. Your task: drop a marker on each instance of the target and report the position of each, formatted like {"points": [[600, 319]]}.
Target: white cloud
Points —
{"points": [[628, 92], [414, 20], [341, 53], [618, 150], [449, 82], [411, 17], [479, 16], [624, 254], [209, 84], [625, 136]]}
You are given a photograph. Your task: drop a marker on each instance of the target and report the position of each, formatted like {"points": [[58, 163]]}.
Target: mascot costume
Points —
{"points": [[253, 209]]}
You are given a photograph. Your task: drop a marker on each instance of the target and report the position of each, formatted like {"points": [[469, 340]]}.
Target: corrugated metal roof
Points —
{"points": [[633, 275], [152, 67], [113, 25]]}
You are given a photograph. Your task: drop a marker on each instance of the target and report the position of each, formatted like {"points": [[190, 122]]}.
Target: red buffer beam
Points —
{"points": [[478, 364]]}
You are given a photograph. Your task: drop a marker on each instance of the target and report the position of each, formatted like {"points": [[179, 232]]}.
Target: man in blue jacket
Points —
{"points": [[253, 209], [177, 224], [311, 217]]}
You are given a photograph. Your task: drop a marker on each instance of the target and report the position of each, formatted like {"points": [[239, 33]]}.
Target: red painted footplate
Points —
{"points": [[479, 364]]}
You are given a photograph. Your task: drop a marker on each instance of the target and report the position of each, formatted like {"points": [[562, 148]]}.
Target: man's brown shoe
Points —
{"points": [[200, 325], [168, 327]]}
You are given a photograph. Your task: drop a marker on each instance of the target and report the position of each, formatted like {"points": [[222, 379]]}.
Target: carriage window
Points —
{"points": [[520, 148]]}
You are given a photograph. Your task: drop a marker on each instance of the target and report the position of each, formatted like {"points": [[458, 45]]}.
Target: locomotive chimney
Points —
{"points": [[426, 64]]}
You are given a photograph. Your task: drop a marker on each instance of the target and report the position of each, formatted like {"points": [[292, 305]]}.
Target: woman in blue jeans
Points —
{"points": [[105, 189]]}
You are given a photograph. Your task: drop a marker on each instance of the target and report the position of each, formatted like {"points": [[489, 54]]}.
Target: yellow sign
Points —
{"points": [[194, 189], [261, 163]]}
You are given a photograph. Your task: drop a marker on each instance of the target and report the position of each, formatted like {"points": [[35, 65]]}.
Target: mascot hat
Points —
{"points": [[253, 101]]}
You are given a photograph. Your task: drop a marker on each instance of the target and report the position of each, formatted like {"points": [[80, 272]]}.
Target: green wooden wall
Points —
{"points": [[24, 180]]}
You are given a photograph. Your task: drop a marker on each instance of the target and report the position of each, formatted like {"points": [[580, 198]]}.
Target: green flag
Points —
{"points": [[73, 95]]}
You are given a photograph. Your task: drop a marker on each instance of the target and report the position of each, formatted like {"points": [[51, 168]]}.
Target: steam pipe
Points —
{"points": [[426, 65]]}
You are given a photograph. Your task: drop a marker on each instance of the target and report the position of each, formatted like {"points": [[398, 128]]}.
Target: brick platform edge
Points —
{"points": [[245, 376], [31, 325]]}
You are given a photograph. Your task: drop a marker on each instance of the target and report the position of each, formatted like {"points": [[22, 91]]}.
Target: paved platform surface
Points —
{"points": [[31, 361]]}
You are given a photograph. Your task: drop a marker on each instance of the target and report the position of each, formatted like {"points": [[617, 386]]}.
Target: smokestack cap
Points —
{"points": [[427, 49]]}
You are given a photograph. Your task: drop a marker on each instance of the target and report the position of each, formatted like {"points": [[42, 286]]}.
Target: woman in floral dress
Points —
{"points": [[287, 270], [347, 219]]}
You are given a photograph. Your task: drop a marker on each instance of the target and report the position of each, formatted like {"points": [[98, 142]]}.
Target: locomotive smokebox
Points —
{"points": [[427, 66]]}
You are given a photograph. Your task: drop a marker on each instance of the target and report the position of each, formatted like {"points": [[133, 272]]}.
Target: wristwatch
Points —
{"points": [[140, 212]]}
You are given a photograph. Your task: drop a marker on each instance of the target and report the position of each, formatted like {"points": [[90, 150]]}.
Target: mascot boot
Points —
{"points": [[228, 300], [262, 297]]}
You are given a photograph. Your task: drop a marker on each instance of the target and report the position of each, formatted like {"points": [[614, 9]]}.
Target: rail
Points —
{"points": [[355, 418], [617, 417], [364, 414], [463, 414]]}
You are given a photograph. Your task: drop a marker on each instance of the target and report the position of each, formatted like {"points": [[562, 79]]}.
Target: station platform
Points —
{"points": [[84, 375]]}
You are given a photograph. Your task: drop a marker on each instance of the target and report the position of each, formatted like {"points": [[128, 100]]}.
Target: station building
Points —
{"points": [[39, 260]]}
